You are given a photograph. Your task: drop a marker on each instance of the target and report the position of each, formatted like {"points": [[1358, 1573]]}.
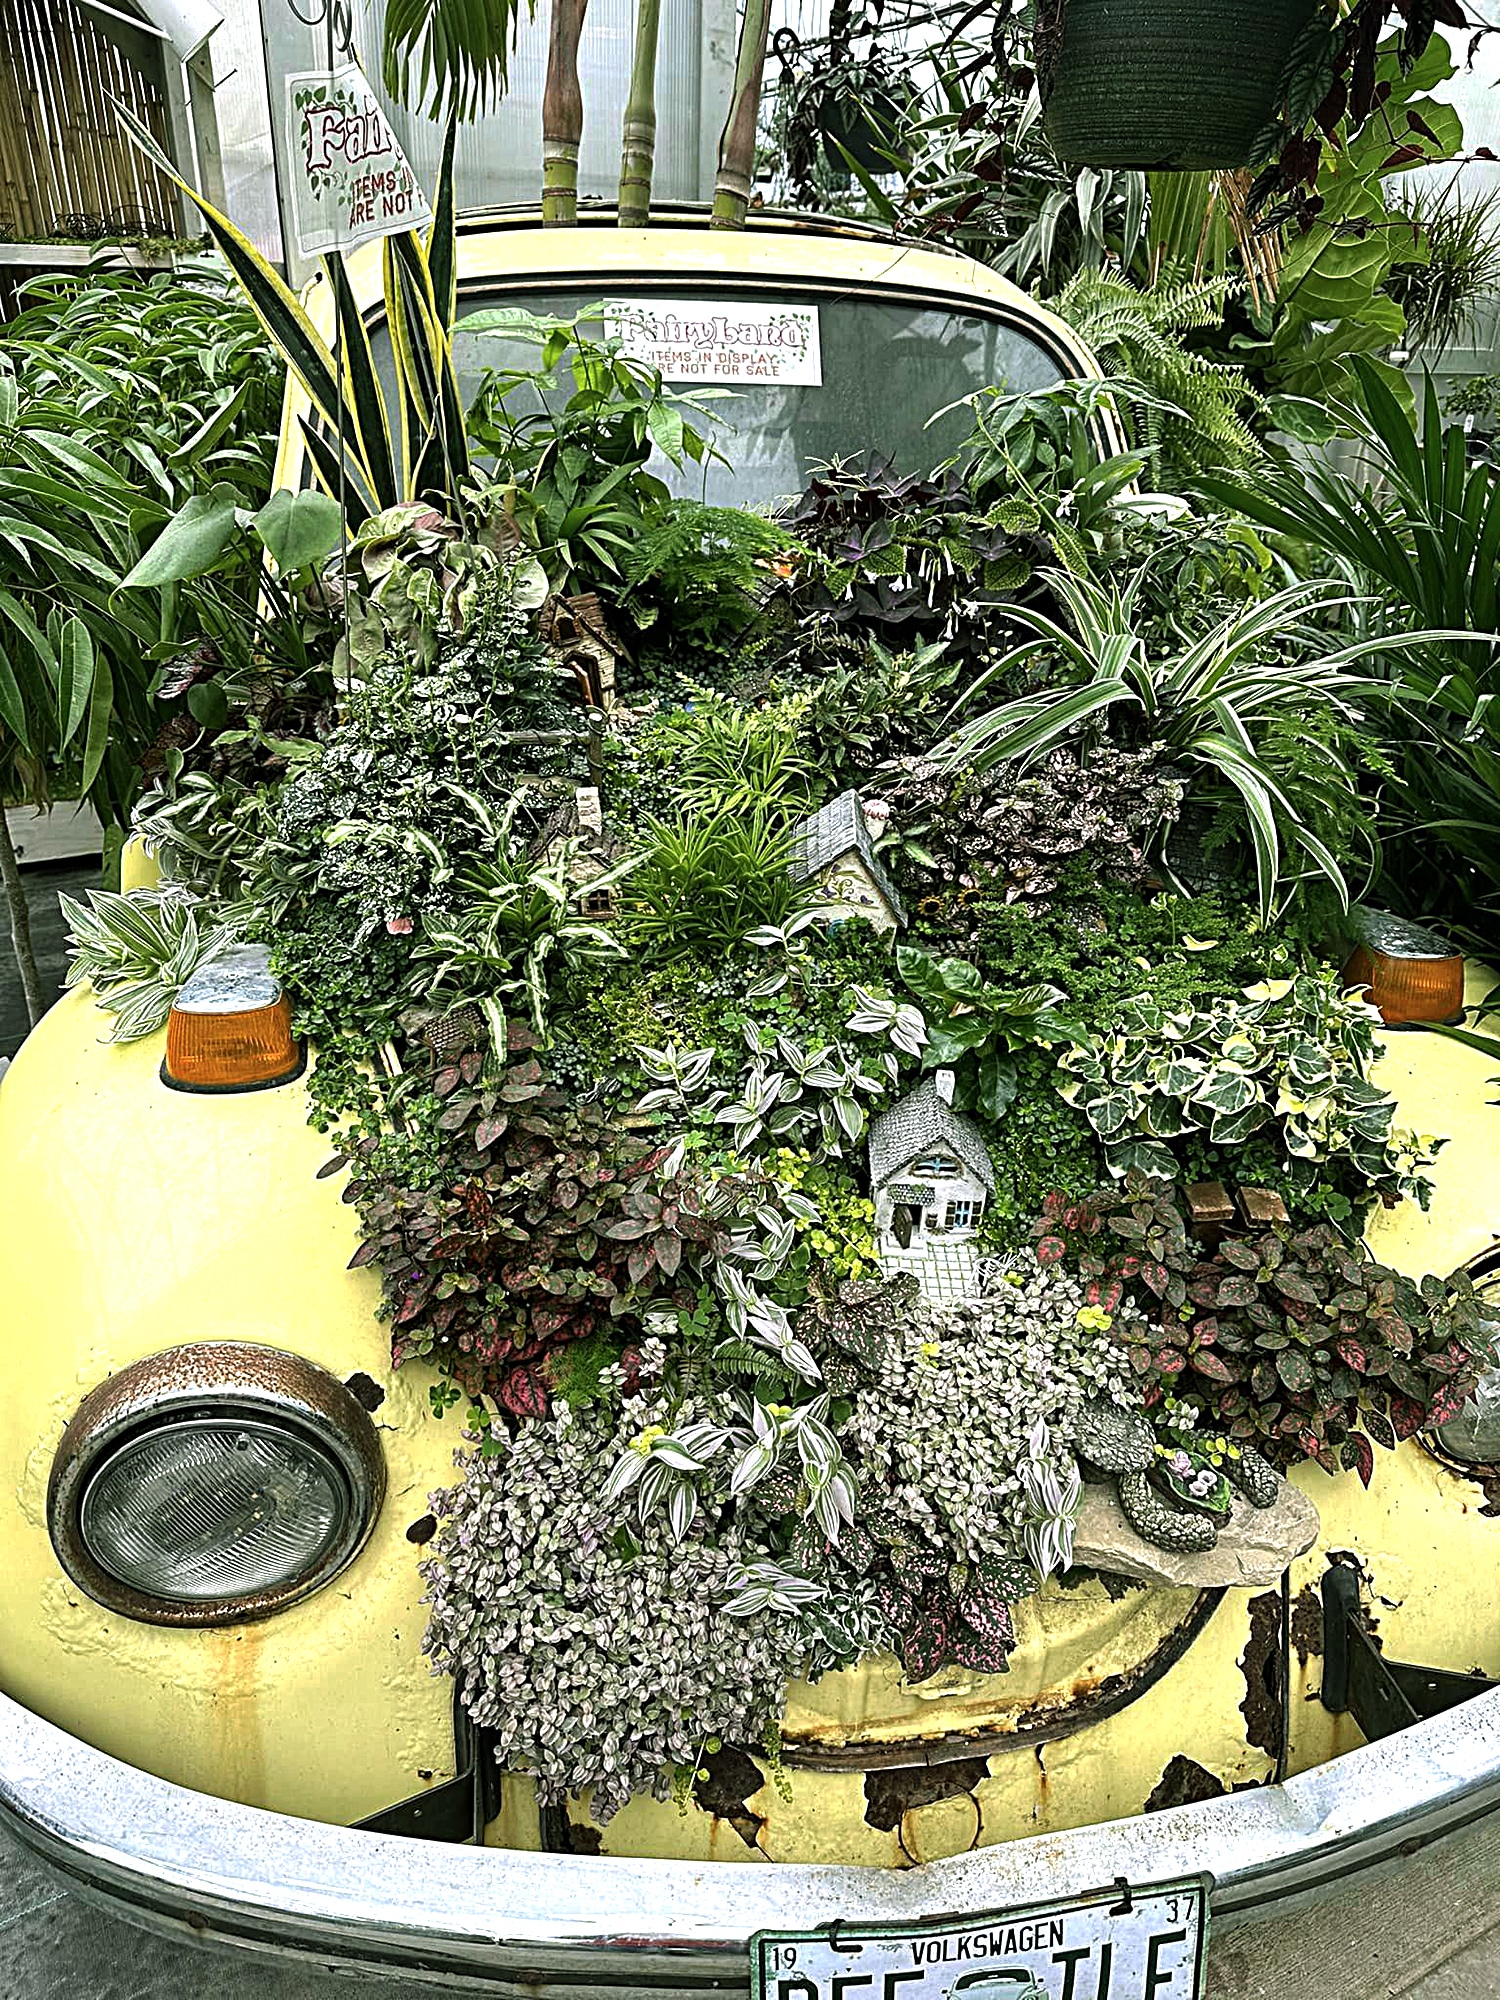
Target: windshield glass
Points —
{"points": [[882, 369]]}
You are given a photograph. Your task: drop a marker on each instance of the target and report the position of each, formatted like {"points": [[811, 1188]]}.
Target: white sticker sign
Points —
{"points": [[720, 340], [350, 179]]}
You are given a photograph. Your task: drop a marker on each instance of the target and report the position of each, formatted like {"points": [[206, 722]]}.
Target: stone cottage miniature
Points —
{"points": [[834, 851], [930, 1178]]}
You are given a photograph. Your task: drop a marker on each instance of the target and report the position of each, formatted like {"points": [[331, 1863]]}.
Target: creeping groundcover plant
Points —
{"points": [[772, 982]]}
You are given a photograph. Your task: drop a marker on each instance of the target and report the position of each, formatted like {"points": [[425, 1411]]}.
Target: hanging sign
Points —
{"points": [[350, 179], [720, 340]]}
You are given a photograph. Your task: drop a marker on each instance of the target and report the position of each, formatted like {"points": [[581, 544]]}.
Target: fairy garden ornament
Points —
{"points": [[1201, 1512], [834, 850], [930, 1180]]}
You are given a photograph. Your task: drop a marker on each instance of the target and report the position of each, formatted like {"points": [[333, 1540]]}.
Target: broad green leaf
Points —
{"points": [[299, 529], [101, 708], [75, 679], [190, 544]]}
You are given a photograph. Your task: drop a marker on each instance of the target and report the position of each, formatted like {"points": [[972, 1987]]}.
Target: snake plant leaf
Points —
{"points": [[270, 298], [366, 398]]}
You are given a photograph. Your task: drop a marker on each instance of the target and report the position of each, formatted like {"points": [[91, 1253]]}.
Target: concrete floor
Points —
{"points": [[73, 878]]}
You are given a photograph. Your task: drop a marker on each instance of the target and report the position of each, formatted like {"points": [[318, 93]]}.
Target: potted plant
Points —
{"points": [[1164, 83], [1196, 84]]}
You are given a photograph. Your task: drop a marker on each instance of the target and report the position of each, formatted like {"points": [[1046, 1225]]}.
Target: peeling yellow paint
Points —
{"points": [[133, 1218]]}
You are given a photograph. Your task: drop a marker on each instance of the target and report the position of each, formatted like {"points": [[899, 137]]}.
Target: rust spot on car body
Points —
{"points": [[1057, 1712], [890, 1795], [1260, 1663], [1184, 1783], [732, 1779]]}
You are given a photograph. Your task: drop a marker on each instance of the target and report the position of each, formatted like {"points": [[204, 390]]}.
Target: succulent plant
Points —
{"points": [[1158, 1519]]}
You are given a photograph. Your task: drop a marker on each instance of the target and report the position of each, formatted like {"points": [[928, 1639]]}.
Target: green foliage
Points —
{"points": [[1333, 301], [1041, 1143], [368, 452], [707, 879], [1100, 944], [573, 464], [1461, 273], [1290, 1056], [1197, 416], [121, 398], [724, 758], [973, 1026], [514, 921], [703, 569], [1428, 538], [1205, 700], [138, 952]]}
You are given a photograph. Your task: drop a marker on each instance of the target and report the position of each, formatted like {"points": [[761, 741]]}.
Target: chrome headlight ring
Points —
{"points": [[213, 1484], [1470, 1442]]}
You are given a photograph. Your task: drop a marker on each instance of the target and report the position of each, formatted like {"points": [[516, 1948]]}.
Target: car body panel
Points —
{"points": [[135, 1218]]}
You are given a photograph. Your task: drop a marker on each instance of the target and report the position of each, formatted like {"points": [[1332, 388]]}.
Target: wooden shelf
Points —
{"points": [[76, 256]]}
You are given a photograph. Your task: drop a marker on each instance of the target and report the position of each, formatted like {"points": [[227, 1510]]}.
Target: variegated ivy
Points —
{"points": [[1290, 1057]]}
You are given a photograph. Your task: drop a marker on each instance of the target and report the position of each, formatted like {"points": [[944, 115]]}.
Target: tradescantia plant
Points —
{"points": [[138, 951], [1290, 1058]]}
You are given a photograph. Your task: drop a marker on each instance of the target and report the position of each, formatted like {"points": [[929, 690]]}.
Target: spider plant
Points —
{"points": [[707, 879], [1425, 533], [1207, 702]]}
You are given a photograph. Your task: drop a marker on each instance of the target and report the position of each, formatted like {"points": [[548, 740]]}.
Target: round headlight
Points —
{"points": [[213, 1483], [1473, 1436]]}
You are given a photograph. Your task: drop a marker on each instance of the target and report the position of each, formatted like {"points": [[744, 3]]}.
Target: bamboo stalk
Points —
{"points": [[736, 173], [638, 145], [562, 116]]}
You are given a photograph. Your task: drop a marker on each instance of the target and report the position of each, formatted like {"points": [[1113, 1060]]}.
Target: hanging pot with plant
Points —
{"points": [[1155, 84], [858, 112]]}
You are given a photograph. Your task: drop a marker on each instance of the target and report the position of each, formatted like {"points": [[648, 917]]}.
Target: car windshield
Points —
{"points": [[873, 373]]}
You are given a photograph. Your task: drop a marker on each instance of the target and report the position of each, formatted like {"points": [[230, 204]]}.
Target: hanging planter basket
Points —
{"points": [[1153, 84], [861, 118]]}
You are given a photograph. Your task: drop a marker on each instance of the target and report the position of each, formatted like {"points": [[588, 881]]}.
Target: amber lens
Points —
{"points": [[1409, 989], [232, 1051]]}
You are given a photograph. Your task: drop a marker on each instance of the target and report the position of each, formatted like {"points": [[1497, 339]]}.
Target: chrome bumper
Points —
{"points": [[568, 1927]]}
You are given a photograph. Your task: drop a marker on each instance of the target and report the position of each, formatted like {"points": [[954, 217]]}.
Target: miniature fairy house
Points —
{"points": [[575, 831], [835, 852], [930, 1178]]}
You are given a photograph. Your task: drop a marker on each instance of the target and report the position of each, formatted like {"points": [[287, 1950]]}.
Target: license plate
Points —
{"points": [[1147, 1944]]}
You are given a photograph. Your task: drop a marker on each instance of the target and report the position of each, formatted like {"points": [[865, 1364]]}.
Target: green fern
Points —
{"points": [[709, 566], [1137, 335], [741, 1358]]}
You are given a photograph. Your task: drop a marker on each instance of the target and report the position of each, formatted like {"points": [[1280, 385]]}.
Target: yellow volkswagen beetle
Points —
{"points": [[176, 1297]]}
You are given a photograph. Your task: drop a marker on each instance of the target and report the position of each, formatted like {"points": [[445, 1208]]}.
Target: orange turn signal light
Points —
{"points": [[231, 1027], [1413, 975]]}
